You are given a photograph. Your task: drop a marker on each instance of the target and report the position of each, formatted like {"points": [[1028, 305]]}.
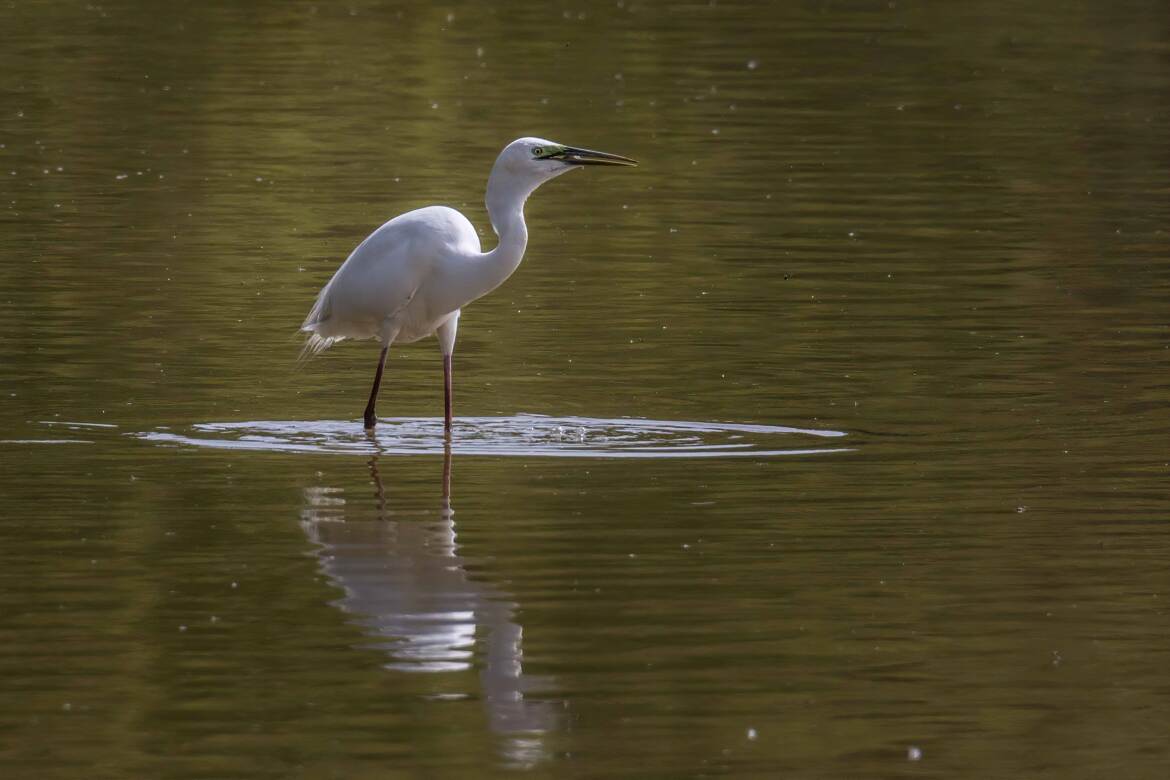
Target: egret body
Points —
{"points": [[411, 277]]}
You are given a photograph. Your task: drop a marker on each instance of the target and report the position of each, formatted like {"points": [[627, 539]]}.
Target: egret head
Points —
{"points": [[527, 163], [536, 160]]}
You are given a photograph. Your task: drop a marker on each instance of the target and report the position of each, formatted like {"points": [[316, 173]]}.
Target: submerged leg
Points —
{"points": [[447, 395], [447, 478], [371, 418], [379, 490]]}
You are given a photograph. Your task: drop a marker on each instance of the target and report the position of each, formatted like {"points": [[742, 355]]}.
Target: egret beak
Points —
{"points": [[574, 156]]}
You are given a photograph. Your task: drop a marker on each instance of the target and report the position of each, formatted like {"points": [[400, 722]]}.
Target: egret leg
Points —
{"points": [[445, 333], [447, 395], [371, 417]]}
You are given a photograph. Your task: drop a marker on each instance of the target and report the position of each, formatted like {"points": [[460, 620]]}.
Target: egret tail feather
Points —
{"points": [[317, 317], [316, 344]]}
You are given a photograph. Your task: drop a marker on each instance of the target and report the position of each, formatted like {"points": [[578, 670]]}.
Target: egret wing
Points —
{"points": [[377, 281]]}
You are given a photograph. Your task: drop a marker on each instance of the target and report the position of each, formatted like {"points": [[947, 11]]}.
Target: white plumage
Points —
{"points": [[411, 277], [377, 289]]}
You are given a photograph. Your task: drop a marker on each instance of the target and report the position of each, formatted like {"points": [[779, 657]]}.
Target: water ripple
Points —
{"points": [[528, 435]]}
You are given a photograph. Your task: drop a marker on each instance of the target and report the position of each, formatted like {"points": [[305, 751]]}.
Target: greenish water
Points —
{"points": [[938, 231]]}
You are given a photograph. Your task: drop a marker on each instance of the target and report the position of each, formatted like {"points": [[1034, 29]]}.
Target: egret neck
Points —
{"points": [[506, 194]]}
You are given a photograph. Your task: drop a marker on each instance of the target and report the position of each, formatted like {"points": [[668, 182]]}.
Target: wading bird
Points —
{"points": [[411, 277]]}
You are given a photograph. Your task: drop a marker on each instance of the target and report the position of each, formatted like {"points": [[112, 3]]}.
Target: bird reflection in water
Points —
{"points": [[409, 589]]}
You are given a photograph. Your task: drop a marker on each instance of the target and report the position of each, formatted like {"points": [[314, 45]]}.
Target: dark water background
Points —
{"points": [[940, 229]]}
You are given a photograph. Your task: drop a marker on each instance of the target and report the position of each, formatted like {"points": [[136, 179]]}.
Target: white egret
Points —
{"points": [[411, 277]]}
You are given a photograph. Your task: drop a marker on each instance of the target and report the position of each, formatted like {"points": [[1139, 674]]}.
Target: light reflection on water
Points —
{"points": [[520, 435], [408, 588]]}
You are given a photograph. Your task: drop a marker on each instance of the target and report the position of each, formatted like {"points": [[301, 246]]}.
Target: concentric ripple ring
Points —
{"points": [[522, 435]]}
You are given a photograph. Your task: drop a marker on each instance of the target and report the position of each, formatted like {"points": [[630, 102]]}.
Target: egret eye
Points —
{"points": [[538, 151]]}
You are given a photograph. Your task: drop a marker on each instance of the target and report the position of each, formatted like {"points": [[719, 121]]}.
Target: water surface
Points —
{"points": [[522, 435], [938, 231]]}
